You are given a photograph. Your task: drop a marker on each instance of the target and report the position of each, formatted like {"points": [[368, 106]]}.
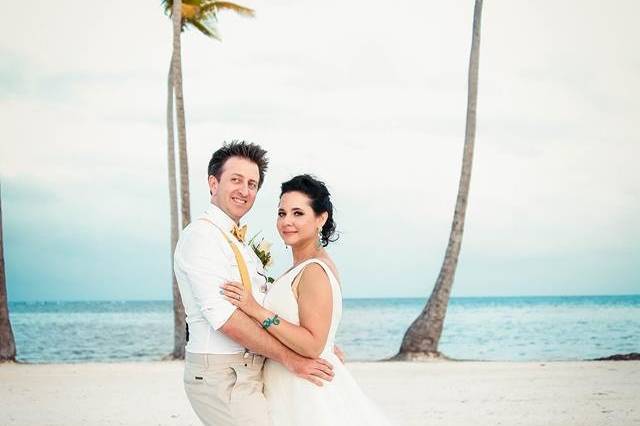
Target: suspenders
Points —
{"points": [[242, 265]]}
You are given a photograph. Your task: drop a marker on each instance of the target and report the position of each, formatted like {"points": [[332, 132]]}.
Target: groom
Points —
{"points": [[226, 349]]}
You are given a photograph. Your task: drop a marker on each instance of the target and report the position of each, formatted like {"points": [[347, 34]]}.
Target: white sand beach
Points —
{"points": [[437, 393]]}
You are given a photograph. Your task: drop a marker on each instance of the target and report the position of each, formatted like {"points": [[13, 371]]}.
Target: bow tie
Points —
{"points": [[239, 232]]}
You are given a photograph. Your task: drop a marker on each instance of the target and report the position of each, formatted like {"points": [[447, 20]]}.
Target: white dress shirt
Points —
{"points": [[203, 260]]}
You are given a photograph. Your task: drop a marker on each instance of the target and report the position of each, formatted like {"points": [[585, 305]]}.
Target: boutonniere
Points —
{"points": [[262, 249]]}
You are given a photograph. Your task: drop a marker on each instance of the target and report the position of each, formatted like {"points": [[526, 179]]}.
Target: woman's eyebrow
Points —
{"points": [[292, 209]]}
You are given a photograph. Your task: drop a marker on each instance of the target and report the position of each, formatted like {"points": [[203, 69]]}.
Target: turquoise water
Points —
{"points": [[487, 328]]}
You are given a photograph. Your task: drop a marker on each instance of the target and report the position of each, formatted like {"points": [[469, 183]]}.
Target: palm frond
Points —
{"points": [[215, 6], [190, 12], [187, 5], [202, 14], [207, 29], [167, 5]]}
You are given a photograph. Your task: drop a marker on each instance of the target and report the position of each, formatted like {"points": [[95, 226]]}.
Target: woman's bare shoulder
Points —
{"points": [[329, 262]]}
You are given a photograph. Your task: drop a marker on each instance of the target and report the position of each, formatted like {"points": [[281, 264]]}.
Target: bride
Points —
{"points": [[302, 309]]}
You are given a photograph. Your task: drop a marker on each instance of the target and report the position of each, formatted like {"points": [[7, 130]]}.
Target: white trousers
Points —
{"points": [[226, 390]]}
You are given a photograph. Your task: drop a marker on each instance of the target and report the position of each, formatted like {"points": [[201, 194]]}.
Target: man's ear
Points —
{"points": [[213, 184]]}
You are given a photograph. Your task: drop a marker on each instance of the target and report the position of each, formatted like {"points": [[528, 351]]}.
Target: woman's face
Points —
{"points": [[297, 222]]}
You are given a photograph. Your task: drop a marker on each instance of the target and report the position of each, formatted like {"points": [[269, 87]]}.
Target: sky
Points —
{"points": [[368, 96]]}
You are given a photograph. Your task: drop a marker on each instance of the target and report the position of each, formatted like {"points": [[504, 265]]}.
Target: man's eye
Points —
{"points": [[253, 186]]}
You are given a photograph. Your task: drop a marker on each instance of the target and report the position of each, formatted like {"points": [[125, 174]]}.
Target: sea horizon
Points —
{"points": [[488, 328], [344, 298]]}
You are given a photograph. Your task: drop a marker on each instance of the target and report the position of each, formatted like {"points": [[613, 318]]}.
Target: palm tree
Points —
{"points": [[202, 15], [7, 342], [179, 335], [421, 340]]}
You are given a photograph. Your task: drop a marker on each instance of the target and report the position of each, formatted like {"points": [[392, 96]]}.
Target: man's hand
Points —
{"points": [[339, 353], [314, 370]]}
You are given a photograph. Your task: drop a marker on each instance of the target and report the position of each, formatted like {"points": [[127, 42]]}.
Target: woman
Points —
{"points": [[302, 309]]}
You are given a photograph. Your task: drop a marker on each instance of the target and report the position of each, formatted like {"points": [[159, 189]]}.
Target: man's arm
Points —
{"points": [[315, 306], [203, 260], [248, 333]]}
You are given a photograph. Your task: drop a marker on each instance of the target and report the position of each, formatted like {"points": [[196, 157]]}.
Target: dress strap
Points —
{"points": [[324, 266]]}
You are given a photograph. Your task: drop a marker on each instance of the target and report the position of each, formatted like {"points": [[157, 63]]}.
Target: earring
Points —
{"points": [[319, 242]]}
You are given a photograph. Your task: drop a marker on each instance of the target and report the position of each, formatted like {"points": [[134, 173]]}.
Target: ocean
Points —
{"points": [[476, 328]]}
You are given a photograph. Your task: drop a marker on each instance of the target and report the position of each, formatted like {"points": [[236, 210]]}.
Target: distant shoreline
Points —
{"points": [[38, 301], [633, 356]]}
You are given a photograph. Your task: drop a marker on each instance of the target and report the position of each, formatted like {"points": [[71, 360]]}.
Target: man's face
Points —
{"points": [[236, 190]]}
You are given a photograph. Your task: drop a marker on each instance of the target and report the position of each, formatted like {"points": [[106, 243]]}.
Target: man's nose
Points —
{"points": [[244, 190]]}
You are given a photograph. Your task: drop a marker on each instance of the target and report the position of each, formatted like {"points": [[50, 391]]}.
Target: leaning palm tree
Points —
{"points": [[7, 342], [202, 15], [421, 340]]}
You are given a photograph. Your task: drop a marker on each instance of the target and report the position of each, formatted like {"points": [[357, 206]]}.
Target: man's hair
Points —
{"points": [[242, 149]]}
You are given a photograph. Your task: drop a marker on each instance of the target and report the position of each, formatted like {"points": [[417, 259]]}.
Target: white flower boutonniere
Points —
{"points": [[263, 251]]}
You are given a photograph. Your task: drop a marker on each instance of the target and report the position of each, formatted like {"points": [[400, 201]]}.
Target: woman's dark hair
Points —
{"points": [[317, 191], [250, 151]]}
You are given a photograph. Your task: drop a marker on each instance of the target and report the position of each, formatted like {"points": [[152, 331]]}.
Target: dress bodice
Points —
{"points": [[281, 300]]}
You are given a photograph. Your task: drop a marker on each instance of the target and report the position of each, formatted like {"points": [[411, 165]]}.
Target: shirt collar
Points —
{"points": [[219, 217]]}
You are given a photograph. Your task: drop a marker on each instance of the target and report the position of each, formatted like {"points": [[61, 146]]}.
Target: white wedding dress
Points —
{"points": [[293, 401]]}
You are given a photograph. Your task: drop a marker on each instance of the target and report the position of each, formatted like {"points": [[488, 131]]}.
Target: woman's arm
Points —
{"points": [[315, 306]]}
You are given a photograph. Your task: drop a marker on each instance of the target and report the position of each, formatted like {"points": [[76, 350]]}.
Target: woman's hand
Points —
{"points": [[236, 294]]}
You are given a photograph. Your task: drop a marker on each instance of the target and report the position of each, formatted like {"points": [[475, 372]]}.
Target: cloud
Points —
{"points": [[370, 98]]}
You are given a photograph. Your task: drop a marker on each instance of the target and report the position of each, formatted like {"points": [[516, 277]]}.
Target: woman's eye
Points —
{"points": [[280, 214], [298, 213]]}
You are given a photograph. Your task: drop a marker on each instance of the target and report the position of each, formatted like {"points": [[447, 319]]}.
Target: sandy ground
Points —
{"points": [[438, 393]]}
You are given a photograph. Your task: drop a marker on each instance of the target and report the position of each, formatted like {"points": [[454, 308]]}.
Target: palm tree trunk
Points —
{"points": [[182, 131], [421, 340], [7, 342], [179, 337]]}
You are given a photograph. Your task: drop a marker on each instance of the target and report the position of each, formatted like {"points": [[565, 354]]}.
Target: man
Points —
{"points": [[226, 349]]}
